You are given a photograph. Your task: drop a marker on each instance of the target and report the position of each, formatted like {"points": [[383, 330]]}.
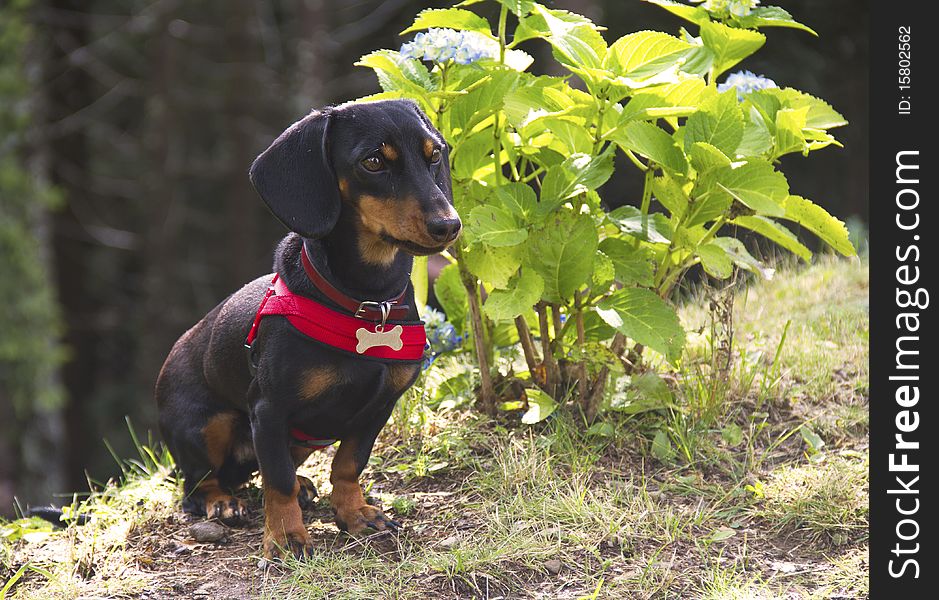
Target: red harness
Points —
{"points": [[382, 341]]}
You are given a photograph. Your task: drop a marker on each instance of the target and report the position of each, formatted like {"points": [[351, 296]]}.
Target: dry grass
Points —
{"points": [[502, 510]]}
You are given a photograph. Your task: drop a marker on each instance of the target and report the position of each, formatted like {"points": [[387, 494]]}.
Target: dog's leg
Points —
{"points": [[202, 448], [284, 529], [353, 514]]}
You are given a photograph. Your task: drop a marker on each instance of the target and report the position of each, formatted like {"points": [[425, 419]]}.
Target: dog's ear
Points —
{"points": [[295, 179], [443, 179]]}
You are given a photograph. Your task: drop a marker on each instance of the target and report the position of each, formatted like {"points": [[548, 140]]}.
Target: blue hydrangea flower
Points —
{"points": [[444, 45], [745, 82], [441, 335]]}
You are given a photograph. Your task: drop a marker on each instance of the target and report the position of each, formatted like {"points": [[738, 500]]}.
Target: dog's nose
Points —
{"points": [[444, 230]]}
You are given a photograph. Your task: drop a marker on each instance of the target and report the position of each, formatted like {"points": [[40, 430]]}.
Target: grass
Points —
{"points": [[761, 494]]}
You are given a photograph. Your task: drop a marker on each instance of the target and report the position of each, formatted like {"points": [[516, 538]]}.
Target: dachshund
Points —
{"points": [[363, 187]]}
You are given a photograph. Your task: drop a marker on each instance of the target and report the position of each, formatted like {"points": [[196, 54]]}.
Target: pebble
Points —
{"points": [[553, 566], [208, 532]]}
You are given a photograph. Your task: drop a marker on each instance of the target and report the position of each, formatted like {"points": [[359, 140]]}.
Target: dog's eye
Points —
{"points": [[435, 156], [373, 164]]}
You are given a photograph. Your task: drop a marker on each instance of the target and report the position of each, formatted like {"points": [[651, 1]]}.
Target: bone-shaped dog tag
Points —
{"points": [[368, 339]]}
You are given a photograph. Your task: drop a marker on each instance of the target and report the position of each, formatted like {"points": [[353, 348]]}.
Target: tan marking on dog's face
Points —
{"points": [[217, 434], [389, 152], [376, 251], [428, 147], [401, 376], [402, 220], [344, 188], [317, 380]]}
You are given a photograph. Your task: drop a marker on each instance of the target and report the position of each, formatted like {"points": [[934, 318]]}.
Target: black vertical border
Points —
{"points": [[892, 132]]}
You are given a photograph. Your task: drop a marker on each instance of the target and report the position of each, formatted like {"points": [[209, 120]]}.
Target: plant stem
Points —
{"points": [[552, 372], [581, 359], [647, 193], [598, 131], [528, 347], [503, 14], [487, 394]]}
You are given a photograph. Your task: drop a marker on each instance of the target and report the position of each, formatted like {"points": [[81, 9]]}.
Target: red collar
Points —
{"points": [[373, 311], [383, 340]]}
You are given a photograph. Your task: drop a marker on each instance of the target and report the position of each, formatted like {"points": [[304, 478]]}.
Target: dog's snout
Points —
{"points": [[444, 230]]}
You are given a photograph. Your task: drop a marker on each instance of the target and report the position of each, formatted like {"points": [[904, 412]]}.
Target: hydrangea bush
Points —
{"points": [[578, 287]]}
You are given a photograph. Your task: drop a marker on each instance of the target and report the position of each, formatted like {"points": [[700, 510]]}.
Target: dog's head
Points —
{"points": [[382, 160]]}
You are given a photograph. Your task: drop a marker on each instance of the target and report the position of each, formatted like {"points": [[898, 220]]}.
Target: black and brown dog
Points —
{"points": [[364, 187]]}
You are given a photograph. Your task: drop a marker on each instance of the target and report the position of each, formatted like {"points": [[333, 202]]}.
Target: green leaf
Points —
{"points": [[715, 260], [451, 18], [633, 264], [518, 198], [705, 157], [695, 14], [470, 109], [732, 434], [519, 8], [563, 253], [604, 273], [730, 45], [662, 446], [670, 194], [789, 125], [771, 16], [397, 73], [472, 154], [743, 259], [645, 53], [645, 393], [673, 100], [641, 315], [775, 232], [757, 138], [577, 174], [719, 123], [574, 38], [817, 220], [652, 142], [540, 406], [523, 292], [419, 281], [495, 226], [814, 441], [493, 265], [757, 185], [820, 116], [450, 293], [601, 429], [455, 387], [650, 228], [721, 533]]}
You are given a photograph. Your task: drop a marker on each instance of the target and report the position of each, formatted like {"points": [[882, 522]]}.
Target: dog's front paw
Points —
{"points": [[363, 518], [228, 510], [279, 543]]}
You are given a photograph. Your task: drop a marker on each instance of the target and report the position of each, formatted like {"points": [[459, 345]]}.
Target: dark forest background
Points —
{"points": [[126, 131]]}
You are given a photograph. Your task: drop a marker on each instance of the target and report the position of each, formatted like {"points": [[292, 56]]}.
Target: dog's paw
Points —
{"points": [[228, 510], [278, 543], [364, 518], [307, 495]]}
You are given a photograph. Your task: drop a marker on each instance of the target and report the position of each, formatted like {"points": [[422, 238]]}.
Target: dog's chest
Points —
{"points": [[337, 396]]}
